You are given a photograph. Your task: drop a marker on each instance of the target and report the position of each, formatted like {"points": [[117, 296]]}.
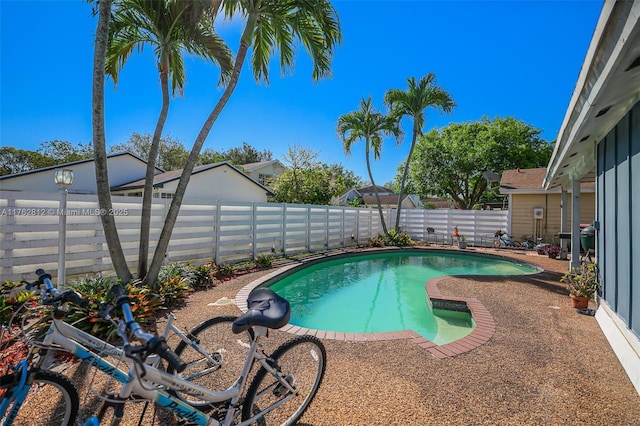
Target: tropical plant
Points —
{"points": [[202, 276], [264, 261], [412, 103], [162, 25], [100, 144], [371, 125], [225, 271], [582, 281], [398, 239], [145, 304], [11, 300], [270, 26]]}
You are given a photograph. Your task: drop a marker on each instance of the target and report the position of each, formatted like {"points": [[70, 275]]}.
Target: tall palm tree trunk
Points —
{"points": [[405, 173], [375, 191], [99, 144], [147, 194], [176, 201]]}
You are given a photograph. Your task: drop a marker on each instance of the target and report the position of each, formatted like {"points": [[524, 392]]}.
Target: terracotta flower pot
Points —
{"points": [[579, 302]]}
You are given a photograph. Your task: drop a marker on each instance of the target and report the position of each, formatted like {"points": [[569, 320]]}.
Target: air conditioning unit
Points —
{"points": [[538, 213]]}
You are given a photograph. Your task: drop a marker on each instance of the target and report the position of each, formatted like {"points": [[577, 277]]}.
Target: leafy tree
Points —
{"points": [[172, 154], [412, 103], [344, 179], [449, 163], [270, 26], [14, 160], [371, 125], [245, 155], [308, 181], [209, 156], [65, 152], [165, 27], [305, 186]]}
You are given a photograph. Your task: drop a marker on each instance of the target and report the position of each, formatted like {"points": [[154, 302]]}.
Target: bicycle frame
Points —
{"points": [[148, 382], [19, 392]]}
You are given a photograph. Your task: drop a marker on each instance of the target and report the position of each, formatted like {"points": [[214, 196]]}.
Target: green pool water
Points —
{"points": [[384, 292]]}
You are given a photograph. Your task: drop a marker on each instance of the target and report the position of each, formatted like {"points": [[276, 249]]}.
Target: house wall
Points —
{"points": [[122, 169], [523, 223], [618, 239], [272, 170], [220, 183]]}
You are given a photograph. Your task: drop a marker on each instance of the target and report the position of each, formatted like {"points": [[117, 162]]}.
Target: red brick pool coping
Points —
{"points": [[482, 333]]}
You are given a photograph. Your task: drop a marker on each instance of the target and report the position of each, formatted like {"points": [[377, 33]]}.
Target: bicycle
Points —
{"points": [[503, 240], [33, 390], [528, 244], [287, 379]]}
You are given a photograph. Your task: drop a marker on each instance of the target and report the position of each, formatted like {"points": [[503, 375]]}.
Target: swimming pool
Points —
{"points": [[384, 292]]}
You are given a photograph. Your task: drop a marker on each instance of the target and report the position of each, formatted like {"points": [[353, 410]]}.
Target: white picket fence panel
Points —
{"points": [[226, 232]]}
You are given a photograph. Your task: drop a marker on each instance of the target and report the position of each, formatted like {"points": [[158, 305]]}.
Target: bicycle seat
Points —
{"points": [[266, 309]]}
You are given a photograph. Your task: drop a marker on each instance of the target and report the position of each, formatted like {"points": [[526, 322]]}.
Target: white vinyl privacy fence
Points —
{"points": [[226, 232]]}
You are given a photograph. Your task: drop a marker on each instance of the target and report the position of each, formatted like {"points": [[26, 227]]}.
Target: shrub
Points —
{"points": [[173, 291], [145, 305], [264, 261], [202, 276], [398, 239], [376, 241], [12, 299], [225, 271]]}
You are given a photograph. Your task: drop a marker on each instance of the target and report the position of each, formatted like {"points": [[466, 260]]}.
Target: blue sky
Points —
{"points": [[495, 58]]}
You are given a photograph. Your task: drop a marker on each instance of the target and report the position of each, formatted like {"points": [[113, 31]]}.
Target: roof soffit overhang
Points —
{"points": [[606, 90]]}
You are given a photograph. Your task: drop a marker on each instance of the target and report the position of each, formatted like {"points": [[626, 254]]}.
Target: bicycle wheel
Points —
{"points": [[52, 400], [301, 362], [227, 350]]}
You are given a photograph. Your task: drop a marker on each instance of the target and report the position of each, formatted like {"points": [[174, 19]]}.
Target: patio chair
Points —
{"points": [[431, 234]]}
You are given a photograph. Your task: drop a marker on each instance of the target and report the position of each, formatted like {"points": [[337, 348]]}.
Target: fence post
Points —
{"points": [[9, 237], [253, 229], [284, 230], [216, 230]]}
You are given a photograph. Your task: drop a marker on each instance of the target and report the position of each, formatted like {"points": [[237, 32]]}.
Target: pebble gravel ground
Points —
{"points": [[545, 364]]}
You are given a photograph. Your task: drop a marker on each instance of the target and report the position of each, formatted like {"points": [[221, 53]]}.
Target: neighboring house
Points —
{"points": [[388, 199], [599, 141], [265, 171], [438, 203], [123, 167], [211, 182], [535, 211]]}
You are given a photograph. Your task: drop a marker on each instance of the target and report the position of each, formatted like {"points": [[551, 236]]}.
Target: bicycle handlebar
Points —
{"points": [[151, 343], [56, 295]]}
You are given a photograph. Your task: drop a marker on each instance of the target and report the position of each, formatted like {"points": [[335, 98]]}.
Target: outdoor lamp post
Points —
{"points": [[63, 178]]}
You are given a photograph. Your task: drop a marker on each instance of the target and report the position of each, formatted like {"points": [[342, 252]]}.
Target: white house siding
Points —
{"points": [[122, 169], [220, 183]]}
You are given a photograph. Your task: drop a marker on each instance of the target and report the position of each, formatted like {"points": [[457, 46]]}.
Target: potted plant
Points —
{"points": [[462, 242], [552, 251], [582, 283]]}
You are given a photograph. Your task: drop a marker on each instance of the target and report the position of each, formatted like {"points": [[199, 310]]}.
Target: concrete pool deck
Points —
{"points": [[544, 363]]}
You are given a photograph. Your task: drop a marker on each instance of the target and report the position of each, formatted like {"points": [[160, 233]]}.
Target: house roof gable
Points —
{"points": [[73, 163], [172, 175], [521, 181], [250, 167]]}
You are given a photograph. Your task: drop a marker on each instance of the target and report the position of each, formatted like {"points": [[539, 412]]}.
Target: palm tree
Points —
{"points": [[99, 142], [168, 28], [412, 103], [370, 125], [271, 25]]}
